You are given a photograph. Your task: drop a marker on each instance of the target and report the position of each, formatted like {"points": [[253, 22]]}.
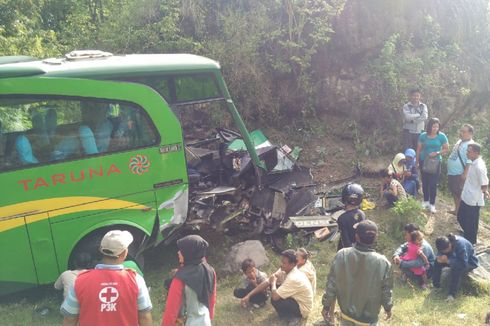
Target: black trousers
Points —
{"points": [[286, 308], [455, 277], [468, 218], [410, 140], [258, 298], [390, 198], [429, 184]]}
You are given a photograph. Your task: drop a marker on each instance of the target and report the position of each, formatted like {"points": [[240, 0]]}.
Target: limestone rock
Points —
{"points": [[248, 249]]}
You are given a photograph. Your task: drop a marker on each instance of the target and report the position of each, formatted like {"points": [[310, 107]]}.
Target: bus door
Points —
{"points": [[18, 271]]}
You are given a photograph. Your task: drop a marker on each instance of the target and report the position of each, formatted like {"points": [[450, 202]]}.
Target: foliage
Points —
{"points": [[287, 62], [404, 212], [20, 31], [433, 65]]}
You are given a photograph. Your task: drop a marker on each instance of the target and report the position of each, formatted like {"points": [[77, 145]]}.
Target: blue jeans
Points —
{"points": [[454, 277], [410, 187]]}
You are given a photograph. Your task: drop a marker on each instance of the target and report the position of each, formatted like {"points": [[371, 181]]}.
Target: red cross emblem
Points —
{"points": [[108, 294]]}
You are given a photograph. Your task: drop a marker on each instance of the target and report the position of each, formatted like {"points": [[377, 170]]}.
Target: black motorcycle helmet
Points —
{"points": [[352, 194]]}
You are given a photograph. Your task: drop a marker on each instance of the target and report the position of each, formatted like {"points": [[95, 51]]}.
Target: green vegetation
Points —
{"points": [[404, 212], [289, 63]]}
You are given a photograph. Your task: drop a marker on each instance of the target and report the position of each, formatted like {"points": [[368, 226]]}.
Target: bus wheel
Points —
{"points": [[88, 247]]}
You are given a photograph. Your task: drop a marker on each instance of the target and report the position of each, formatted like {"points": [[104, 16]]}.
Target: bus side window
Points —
{"points": [[132, 129], [41, 130], [125, 134]]}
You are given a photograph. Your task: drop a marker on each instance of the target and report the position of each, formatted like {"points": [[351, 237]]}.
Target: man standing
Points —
{"points": [[457, 164], [109, 294], [415, 114], [475, 189], [361, 280]]}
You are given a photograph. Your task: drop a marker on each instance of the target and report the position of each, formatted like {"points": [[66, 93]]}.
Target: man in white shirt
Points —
{"points": [[292, 300], [475, 189]]}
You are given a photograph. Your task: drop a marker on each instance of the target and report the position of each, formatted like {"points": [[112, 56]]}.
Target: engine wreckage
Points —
{"points": [[231, 194]]}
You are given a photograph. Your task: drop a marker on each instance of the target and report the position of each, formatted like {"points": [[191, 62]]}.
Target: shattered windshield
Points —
{"points": [[202, 120]]}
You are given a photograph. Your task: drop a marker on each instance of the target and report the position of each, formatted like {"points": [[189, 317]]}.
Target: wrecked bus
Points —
{"points": [[149, 143]]}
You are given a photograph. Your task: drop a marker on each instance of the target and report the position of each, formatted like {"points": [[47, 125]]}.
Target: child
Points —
{"points": [[252, 278], [414, 251], [67, 278], [391, 189]]}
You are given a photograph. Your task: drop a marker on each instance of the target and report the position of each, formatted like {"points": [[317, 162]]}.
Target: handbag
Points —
{"points": [[431, 165]]}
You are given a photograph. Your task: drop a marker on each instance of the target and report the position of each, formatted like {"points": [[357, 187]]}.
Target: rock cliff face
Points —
{"points": [[455, 28], [365, 24]]}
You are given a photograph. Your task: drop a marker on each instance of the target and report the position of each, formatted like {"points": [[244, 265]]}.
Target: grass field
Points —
{"points": [[412, 305]]}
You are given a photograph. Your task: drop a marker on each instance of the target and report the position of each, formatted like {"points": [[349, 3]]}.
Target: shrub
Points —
{"points": [[404, 212]]}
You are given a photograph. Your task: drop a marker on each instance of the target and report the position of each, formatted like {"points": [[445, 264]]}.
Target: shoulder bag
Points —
{"points": [[459, 155], [431, 165]]}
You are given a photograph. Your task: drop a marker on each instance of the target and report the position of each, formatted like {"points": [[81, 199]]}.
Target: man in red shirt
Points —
{"points": [[109, 294]]}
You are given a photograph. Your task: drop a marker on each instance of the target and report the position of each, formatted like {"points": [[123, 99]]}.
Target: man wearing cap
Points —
{"points": [[109, 294], [361, 280]]}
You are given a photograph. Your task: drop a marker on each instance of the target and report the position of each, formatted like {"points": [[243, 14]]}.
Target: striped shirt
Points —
{"points": [[71, 305]]}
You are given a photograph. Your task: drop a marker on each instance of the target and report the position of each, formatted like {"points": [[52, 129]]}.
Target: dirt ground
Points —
{"points": [[332, 157]]}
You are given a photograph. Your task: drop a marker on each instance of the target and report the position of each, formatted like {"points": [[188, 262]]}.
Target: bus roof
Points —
{"points": [[98, 64]]}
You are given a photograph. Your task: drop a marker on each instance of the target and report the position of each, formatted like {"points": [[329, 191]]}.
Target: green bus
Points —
{"points": [[94, 141]]}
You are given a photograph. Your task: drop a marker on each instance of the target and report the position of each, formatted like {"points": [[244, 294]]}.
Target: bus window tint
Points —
{"points": [[194, 88], [181, 89], [36, 131]]}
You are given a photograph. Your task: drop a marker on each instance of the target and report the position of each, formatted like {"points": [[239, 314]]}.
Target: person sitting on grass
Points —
{"points": [[305, 266], [252, 278], [397, 167], [391, 189], [407, 265], [410, 176], [458, 254], [67, 278], [414, 252], [293, 299]]}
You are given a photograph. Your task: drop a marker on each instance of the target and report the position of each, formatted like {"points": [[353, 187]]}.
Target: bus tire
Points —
{"points": [[91, 242]]}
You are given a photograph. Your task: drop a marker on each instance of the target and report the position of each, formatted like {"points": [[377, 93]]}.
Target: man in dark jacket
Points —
{"points": [[458, 254], [361, 280]]}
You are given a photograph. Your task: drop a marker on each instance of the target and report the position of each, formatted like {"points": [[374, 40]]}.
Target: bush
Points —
{"points": [[405, 211]]}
